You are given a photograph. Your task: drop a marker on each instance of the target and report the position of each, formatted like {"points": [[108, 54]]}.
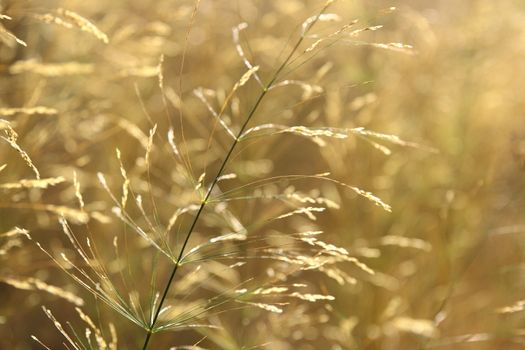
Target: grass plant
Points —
{"points": [[199, 174]]}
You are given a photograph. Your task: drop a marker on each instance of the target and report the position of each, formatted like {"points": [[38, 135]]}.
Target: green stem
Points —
{"points": [[217, 176]]}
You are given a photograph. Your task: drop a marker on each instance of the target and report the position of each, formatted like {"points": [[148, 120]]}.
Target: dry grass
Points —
{"points": [[261, 175]]}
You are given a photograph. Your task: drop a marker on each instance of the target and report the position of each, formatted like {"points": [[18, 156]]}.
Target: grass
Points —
{"points": [[245, 175]]}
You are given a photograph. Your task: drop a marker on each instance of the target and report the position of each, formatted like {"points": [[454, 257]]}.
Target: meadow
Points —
{"points": [[262, 174]]}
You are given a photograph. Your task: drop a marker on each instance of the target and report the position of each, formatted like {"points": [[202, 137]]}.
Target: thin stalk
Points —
{"points": [[220, 171]]}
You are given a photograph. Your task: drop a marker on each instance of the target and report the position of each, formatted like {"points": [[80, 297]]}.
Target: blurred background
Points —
{"points": [[445, 76]]}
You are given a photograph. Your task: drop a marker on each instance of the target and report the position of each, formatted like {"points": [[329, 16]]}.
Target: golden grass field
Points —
{"points": [[262, 174]]}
